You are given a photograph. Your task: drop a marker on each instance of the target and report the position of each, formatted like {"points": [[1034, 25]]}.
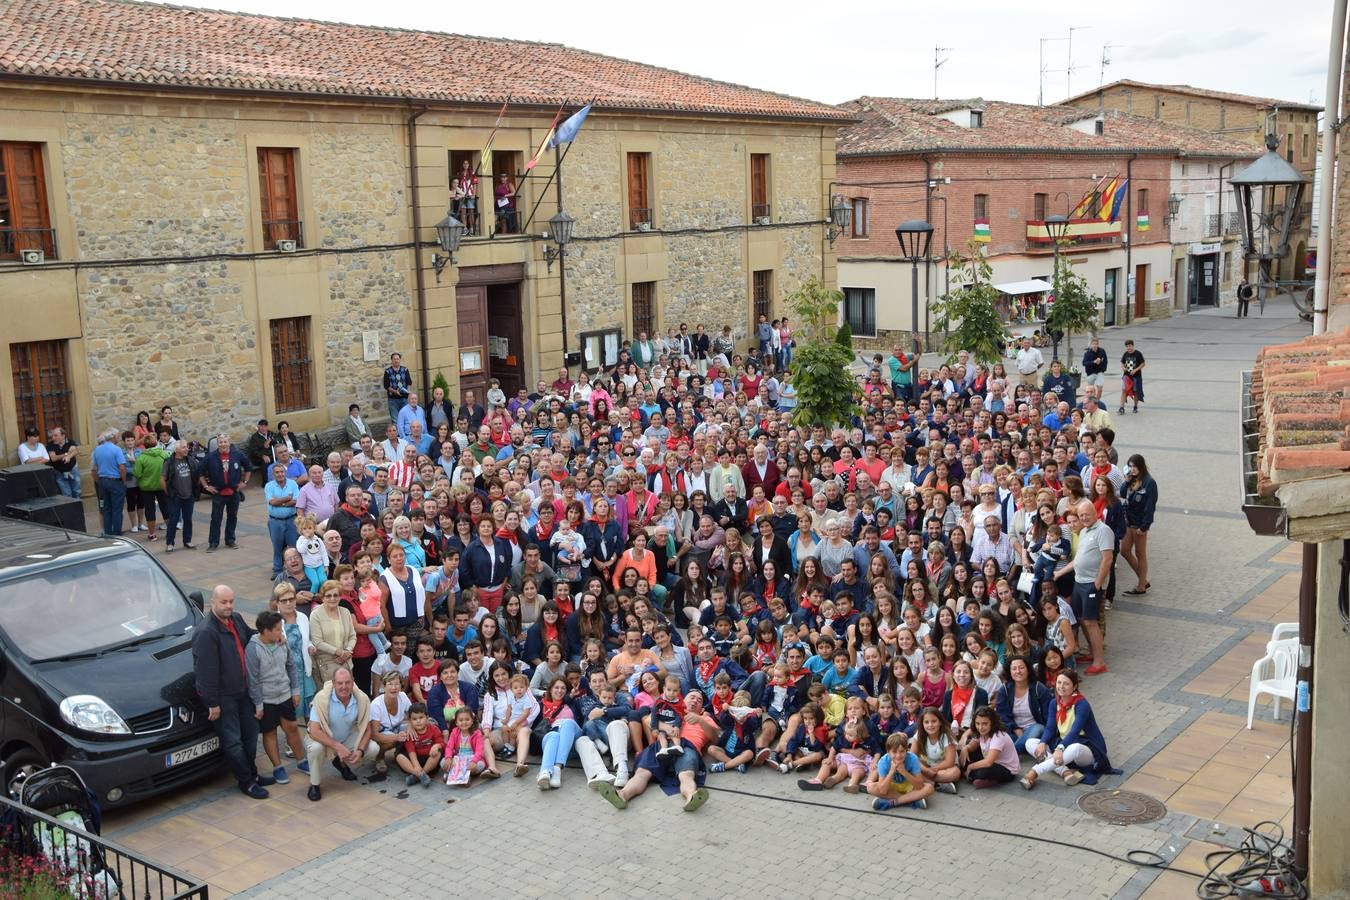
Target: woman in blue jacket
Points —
{"points": [[1141, 501], [604, 539], [548, 628], [962, 699], [485, 564], [1073, 746], [1022, 702]]}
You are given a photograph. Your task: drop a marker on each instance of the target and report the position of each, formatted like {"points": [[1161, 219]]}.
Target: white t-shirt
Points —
{"points": [[1029, 361], [390, 723], [38, 452], [384, 665]]}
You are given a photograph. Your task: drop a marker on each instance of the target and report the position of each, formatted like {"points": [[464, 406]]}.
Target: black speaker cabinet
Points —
{"points": [[19, 483], [63, 512]]}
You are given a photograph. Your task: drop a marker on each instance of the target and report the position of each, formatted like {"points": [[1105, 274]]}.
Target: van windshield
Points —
{"points": [[79, 607]]}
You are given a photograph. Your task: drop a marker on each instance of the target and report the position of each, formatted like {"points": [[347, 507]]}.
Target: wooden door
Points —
{"points": [[471, 317], [507, 358], [1140, 290]]}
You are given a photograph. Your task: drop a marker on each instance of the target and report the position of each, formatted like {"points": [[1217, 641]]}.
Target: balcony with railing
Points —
{"points": [[1232, 222], [275, 230], [761, 213], [13, 241], [1082, 233], [639, 219], [1213, 225]]}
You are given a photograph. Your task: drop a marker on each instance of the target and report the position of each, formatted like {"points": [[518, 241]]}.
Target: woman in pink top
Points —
{"points": [[989, 756]]}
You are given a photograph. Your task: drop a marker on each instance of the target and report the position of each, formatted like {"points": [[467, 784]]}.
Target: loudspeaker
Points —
{"points": [[31, 482], [63, 512]]}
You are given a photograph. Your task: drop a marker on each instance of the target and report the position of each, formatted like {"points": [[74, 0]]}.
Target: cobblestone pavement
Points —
{"points": [[1205, 565]]}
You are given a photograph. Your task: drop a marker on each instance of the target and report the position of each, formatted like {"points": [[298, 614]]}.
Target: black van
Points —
{"points": [[96, 665]]}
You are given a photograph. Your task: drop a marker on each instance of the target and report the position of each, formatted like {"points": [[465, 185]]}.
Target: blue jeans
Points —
{"points": [[755, 685], [238, 731], [114, 496], [1030, 733], [283, 534], [68, 483], [227, 508], [597, 730], [557, 745], [396, 405], [178, 509]]}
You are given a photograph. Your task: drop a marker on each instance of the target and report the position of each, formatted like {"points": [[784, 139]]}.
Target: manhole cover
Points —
{"points": [[1122, 807]]}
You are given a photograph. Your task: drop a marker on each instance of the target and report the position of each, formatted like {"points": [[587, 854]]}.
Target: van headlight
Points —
{"points": [[89, 713]]}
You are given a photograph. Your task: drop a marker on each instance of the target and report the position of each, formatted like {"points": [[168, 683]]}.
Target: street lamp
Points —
{"points": [[560, 227], [449, 232], [1266, 225], [914, 236], [841, 214], [1057, 227]]}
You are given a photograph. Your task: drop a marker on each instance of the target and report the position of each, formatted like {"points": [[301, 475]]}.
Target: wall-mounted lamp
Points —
{"points": [[560, 229]]}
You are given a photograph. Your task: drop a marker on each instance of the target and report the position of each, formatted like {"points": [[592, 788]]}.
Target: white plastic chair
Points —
{"points": [[1284, 630], [1274, 674]]}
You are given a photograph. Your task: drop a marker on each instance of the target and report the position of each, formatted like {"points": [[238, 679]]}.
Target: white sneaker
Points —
{"points": [[555, 778], [544, 781], [621, 776], [594, 783]]}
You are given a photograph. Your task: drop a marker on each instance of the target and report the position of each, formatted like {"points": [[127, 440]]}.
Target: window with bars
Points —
{"points": [[759, 187], [639, 191], [278, 196], [762, 293], [42, 390], [862, 217], [982, 206], [24, 220], [860, 311], [644, 308], [292, 364]]}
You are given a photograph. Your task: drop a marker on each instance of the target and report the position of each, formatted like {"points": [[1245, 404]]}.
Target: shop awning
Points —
{"points": [[1031, 286]]}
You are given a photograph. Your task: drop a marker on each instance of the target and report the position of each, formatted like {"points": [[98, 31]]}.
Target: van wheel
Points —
{"points": [[20, 765]]}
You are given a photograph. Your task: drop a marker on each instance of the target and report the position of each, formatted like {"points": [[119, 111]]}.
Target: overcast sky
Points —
{"points": [[837, 51]]}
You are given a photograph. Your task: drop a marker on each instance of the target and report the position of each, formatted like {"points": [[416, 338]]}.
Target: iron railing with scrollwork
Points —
{"points": [[1212, 225], [283, 230], [14, 241]]}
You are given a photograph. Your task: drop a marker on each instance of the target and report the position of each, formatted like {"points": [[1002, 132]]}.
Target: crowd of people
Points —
{"points": [[651, 570]]}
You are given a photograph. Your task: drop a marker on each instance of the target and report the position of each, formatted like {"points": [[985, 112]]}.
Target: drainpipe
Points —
{"points": [[928, 261], [418, 274], [1303, 724], [1326, 173], [1129, 233]]}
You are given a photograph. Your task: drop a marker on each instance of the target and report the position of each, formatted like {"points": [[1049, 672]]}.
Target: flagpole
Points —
{"points": [[562, 260], [558, 161], [557, 117]]}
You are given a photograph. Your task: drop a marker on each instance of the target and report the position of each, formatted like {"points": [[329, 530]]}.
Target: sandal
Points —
{"points": [[1135, 592]]}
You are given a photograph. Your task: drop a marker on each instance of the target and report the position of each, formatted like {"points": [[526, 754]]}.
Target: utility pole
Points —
{"points": [[938, 62]]}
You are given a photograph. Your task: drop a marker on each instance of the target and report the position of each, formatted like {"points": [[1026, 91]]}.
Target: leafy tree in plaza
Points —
{"points": [[440, 382], [968, 313], [1075, 306], [827, 393]]}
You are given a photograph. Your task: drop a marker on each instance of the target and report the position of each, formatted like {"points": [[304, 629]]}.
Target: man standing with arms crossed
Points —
{"points": [[1091, 567], [219, 665]]}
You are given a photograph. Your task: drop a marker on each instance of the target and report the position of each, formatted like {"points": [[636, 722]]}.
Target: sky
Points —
{"points": [[886, 48]]}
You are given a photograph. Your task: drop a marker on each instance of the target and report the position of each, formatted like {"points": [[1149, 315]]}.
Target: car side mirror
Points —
{"points": [[198, 600]]}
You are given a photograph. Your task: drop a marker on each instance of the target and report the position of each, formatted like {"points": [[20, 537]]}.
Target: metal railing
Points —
{"points": [[1213, 223], [1232, 223], [69, 861], [760, 211], [640, 219], [15, 240], [282, 230]]}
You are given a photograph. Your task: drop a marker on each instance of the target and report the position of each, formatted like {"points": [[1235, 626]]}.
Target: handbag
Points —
{"points": [[1025, 582]]}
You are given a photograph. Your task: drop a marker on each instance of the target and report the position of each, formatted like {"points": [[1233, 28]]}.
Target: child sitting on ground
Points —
{"points": [[420, 754], [465, 756], [667, 716], [807, 746], [736, 746], [896, 778]]}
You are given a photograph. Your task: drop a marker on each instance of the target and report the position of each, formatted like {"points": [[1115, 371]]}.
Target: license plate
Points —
{"points": [[188, 754]]}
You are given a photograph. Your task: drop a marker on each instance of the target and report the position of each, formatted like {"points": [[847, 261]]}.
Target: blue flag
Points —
{"points": [[567, 131]]}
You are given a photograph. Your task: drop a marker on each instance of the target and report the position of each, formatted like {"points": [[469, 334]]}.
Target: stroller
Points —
{"points": [[60, 792]]}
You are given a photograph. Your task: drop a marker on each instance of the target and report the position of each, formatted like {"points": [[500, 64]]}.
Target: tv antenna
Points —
{"points": [[938, 62]]}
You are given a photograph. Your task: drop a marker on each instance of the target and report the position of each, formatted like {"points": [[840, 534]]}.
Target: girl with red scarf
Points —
{"points": [[1073, 746]]}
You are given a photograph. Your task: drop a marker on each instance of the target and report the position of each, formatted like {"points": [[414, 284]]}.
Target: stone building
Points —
{"points": [[1240, 117], [234, 213], [991, 172]]}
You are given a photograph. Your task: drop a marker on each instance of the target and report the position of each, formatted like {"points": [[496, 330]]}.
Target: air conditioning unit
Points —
{"points": [[32, 257], [286, 246]]}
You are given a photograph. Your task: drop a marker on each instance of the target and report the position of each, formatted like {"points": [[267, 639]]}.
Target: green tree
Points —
{"points": [[1075, 306], [440, 382], [969, 311], [827, 393]]}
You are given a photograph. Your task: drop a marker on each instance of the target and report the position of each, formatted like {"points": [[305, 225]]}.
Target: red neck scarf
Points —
{"points": [[551, 708], [1064, 707], [507, 534]]}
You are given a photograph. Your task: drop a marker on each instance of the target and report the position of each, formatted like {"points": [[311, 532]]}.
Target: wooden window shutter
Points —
{"points": [[292, 365], [277, 195], [23, 186], [638, 192]]}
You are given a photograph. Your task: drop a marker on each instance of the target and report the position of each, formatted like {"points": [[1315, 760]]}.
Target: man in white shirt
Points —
{"points": [[1029, 364], [392, 443]]}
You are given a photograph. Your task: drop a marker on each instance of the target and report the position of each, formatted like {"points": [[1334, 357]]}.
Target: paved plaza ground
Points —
{"points": [[1173, 708]]}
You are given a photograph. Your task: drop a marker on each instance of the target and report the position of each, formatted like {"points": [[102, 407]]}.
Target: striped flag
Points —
{"points": [[1113, 198], [1084, 207], [485, 158], [567, 131], [552, 129], [1141, 222], [982, 234]]}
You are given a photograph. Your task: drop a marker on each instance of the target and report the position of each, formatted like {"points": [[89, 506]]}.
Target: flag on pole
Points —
{"points": [[552, 129], [485, 158], [567, 131], [1112, 198], [1084, 207]]}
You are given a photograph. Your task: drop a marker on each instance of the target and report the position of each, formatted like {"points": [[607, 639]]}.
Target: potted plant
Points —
{"points": [[827, 393]]}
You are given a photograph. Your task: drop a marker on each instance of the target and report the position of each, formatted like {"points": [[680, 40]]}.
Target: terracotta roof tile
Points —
{"points": [[897, 125], [1302, 395], [1263, 102], [148, 44]]}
